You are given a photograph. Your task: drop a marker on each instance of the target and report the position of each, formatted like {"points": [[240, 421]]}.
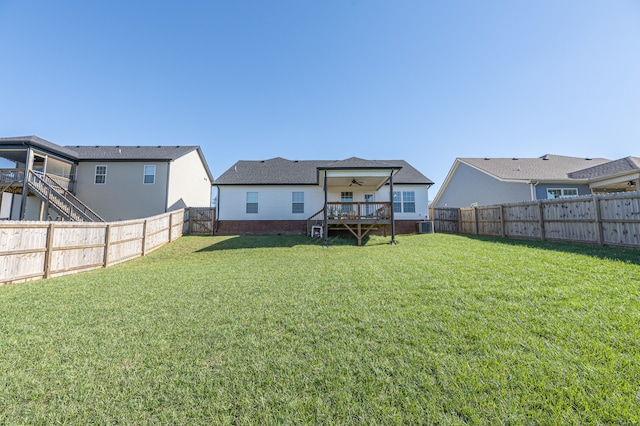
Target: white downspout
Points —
{"points": [[533, 190]]}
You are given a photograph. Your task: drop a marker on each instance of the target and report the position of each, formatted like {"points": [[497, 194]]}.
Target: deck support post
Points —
{"points": [[25, 184], [324, 215], [393, 221]]}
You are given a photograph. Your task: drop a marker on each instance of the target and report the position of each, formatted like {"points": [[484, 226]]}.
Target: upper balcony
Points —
{"points": [[12, 180]]}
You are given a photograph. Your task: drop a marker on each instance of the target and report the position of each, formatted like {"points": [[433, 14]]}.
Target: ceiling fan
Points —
{"points": [[355, 182]]}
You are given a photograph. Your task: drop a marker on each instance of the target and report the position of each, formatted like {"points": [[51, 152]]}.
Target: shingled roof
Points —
{"points": [[40, 143], [131, 153], [280, 171], [611, 168], [547, 167], [108, 153]]}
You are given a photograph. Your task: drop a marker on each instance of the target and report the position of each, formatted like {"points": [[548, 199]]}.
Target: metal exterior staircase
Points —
{"points": [[60, 199]]}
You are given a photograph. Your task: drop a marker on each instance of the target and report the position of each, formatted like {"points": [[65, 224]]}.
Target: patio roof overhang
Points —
{"points": [[626, 181], [370, 178]]}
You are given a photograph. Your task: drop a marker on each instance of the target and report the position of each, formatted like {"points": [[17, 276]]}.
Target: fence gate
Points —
{"points": [[201, 220]]}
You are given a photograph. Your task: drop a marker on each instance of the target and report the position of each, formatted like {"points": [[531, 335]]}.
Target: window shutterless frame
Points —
{"points": [[297, 202], [553, 193], [252, 202], [100, 176], [149, 174]]}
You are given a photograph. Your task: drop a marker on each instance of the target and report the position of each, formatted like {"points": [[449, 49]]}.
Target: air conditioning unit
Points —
{"points": [[424, 227]]}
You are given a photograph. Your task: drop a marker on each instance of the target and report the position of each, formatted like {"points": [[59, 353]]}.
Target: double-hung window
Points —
{"points": [[149, 174], [297, 202], [561, 192], [408, 201], [346, 197], [404, 201], [100, 177], [252, 202]]}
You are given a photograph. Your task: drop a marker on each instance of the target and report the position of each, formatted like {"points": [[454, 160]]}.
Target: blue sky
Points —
{"points": [[425, 81]]}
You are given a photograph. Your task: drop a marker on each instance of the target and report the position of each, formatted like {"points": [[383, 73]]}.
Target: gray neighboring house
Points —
{"points": [[487, 181], [100, 183]]}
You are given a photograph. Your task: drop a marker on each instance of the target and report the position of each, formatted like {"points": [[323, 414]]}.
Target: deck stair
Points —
{"points": [[60, 199]]}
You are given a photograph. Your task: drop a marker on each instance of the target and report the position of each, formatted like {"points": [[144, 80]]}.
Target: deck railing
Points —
{"points": [[62, 200], [8, 176], [11, 175], [338, 210], [358, 210]]}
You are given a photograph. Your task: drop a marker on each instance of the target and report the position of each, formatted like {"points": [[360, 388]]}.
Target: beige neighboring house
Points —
{"points": [[100, 183]]}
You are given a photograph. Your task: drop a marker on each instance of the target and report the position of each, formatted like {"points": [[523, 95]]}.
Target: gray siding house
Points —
{"points": [[99, 183], [487, 181]]}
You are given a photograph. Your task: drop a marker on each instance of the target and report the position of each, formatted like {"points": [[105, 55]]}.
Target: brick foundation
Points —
{"points": [[295, 227], [261, 227]]}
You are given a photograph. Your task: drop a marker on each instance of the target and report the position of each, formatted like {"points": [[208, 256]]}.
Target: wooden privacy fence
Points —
{"points": [[32, 250], [609, 219], [201, 220]]}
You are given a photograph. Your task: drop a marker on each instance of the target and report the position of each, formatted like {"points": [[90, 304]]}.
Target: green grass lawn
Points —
{"points": [[279, 330]]}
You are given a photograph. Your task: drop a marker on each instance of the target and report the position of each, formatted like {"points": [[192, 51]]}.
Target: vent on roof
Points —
{"points": [[262, 161], [514, 158], [588, 159], [487, 158], [138, 146]]}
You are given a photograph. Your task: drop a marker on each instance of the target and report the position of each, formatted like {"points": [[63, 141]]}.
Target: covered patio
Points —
{"points": [[341, 180]]}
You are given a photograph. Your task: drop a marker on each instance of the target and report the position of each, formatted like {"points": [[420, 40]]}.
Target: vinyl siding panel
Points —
{"points": [[274, 201], [468, 185], [189, 185], [124, 196]]}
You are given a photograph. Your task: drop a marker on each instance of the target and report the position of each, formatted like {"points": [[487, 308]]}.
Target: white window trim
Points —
{"points": [[402, 202], [257, 203], [95, 174], [562, 193], [293, 203], [144, 174]]}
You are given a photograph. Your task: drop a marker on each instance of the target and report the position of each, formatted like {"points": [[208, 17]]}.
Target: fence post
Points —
{"points": [[598, 219], [144, 237], [170, 227], [475, 217], [502, 230], [107, 241], [541, 220], [49, 251], [190, 222]]}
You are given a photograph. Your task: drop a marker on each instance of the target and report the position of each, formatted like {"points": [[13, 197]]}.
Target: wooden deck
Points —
{"points": [[359, 218], [11, 180]]}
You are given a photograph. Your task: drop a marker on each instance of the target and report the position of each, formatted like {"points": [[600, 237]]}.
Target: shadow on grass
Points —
{"points": [[272, 241], [601, 252]]}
